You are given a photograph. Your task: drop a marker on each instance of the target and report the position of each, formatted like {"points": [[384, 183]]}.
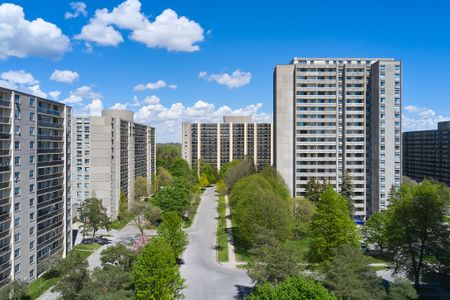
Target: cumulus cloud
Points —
{"points": [[120, 106], [167, 120], [65, 76], [160, 84], [22, 81], [79, 9], [22, 38], [232, 81], [421, 118], [80, 94], [94, 108], [55, 94], [168, 30], [152, 99]]}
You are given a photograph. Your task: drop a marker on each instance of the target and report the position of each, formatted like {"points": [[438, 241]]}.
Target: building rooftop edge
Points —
{"points": [[31, 95]]}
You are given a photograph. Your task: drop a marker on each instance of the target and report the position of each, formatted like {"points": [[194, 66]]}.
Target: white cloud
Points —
{"points": [[120, 106], [167, 120], [65, 76], [94, 108], [55, 94], [160, 84], [168, 30], [22, 81], [135, 102], [79, 8], [22, 38], [18, 77], [152, 99], [80, 94], [421, 118], [232, 81]]}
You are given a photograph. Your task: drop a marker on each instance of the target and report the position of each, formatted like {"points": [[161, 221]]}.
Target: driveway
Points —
{"points": [[205, 277]]}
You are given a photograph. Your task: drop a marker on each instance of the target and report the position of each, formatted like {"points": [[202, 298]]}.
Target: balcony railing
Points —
{"points": [[49, 111], [5, 168], [4, 119], [49, 124], [50, 137], [5, 103], [50, 150]]}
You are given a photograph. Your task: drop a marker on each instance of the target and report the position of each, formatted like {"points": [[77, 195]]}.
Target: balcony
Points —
{"points": [[5, 168], [49, 111], [49, 150], [5, 135], [5, 152], [50, 137], [50, 124], [5, 119], [4, 217], [5, 103]]}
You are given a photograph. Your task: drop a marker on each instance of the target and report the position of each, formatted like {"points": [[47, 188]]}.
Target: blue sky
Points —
{"points": [[213, 58]]}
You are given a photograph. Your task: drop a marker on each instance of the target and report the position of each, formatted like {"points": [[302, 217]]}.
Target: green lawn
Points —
{"points": [[222, 236], [119, 224], [42, 284], [192, 211]]}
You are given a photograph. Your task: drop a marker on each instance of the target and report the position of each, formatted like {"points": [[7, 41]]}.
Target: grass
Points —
{"points": [[118, 224], [192, 211], [43, 283], [222, 236]]}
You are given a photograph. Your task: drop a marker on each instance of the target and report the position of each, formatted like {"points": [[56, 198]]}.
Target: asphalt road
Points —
{"points": [[205, 277]]}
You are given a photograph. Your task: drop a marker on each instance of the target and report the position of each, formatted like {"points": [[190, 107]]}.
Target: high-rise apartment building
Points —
{"points": [[336, 115], [236, 138], [426, 154], [35, 202], [110, 151]]}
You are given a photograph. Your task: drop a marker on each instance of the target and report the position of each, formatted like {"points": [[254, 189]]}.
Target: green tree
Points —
{"points": [[162, 179], [303, 211], [348, 275], [141, 188], [224, 168], [210, 172], [118, 255], [171, 229], [123, 206], [166, 154], [74, 282], [331, 227], [273, 261], [203, 181], [221, 187], [237, 171], [94, 214], [301, 288], [180, 168], [417, 227], [111, 282], [155, 273], [374, 231], [152, 214], [15, 290], [401, 289], [313, 190], [254, 205], [176, 197], [346, 190]]}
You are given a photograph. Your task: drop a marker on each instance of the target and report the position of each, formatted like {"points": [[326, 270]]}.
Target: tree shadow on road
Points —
{"points": [[243, 291]]}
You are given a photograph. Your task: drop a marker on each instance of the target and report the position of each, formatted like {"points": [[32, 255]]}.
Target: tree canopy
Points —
{"points": [[171, 229], [93, 213]]}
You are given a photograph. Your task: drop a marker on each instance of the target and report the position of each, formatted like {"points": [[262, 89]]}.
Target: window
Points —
{"points": [[17, 145], [31, 259], [31, 216], [17, 222], [32, 102], [31, 130], [17, 160], [17, 253], [31, 202], [31, 159], [16, 206], [17, 268], [31, 144], [17, 238], [32, 230], [17, 191], [17, 129], [31, 116], [31, 274], [31, 188], [31, 245], [31, 174], [16, 176]]}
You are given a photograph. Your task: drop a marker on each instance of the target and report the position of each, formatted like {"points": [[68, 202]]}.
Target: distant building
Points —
{"points": [[110, 151], [234, 139], [426, 154], [35, 202], [333, 115]]}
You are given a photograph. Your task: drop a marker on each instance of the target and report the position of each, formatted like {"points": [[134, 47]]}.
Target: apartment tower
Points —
{"points": [[35, 202], [426, 154], [336, 115], [110, 152], [234, 139]]}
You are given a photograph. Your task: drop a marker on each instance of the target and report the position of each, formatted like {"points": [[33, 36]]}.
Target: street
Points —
{"points": [[205, 277]]}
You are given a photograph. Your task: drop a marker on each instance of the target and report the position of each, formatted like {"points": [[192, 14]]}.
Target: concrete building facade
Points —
{"points": [[234, 139], [111, 151], [426, 154], [336, 115], [35, 191]]}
